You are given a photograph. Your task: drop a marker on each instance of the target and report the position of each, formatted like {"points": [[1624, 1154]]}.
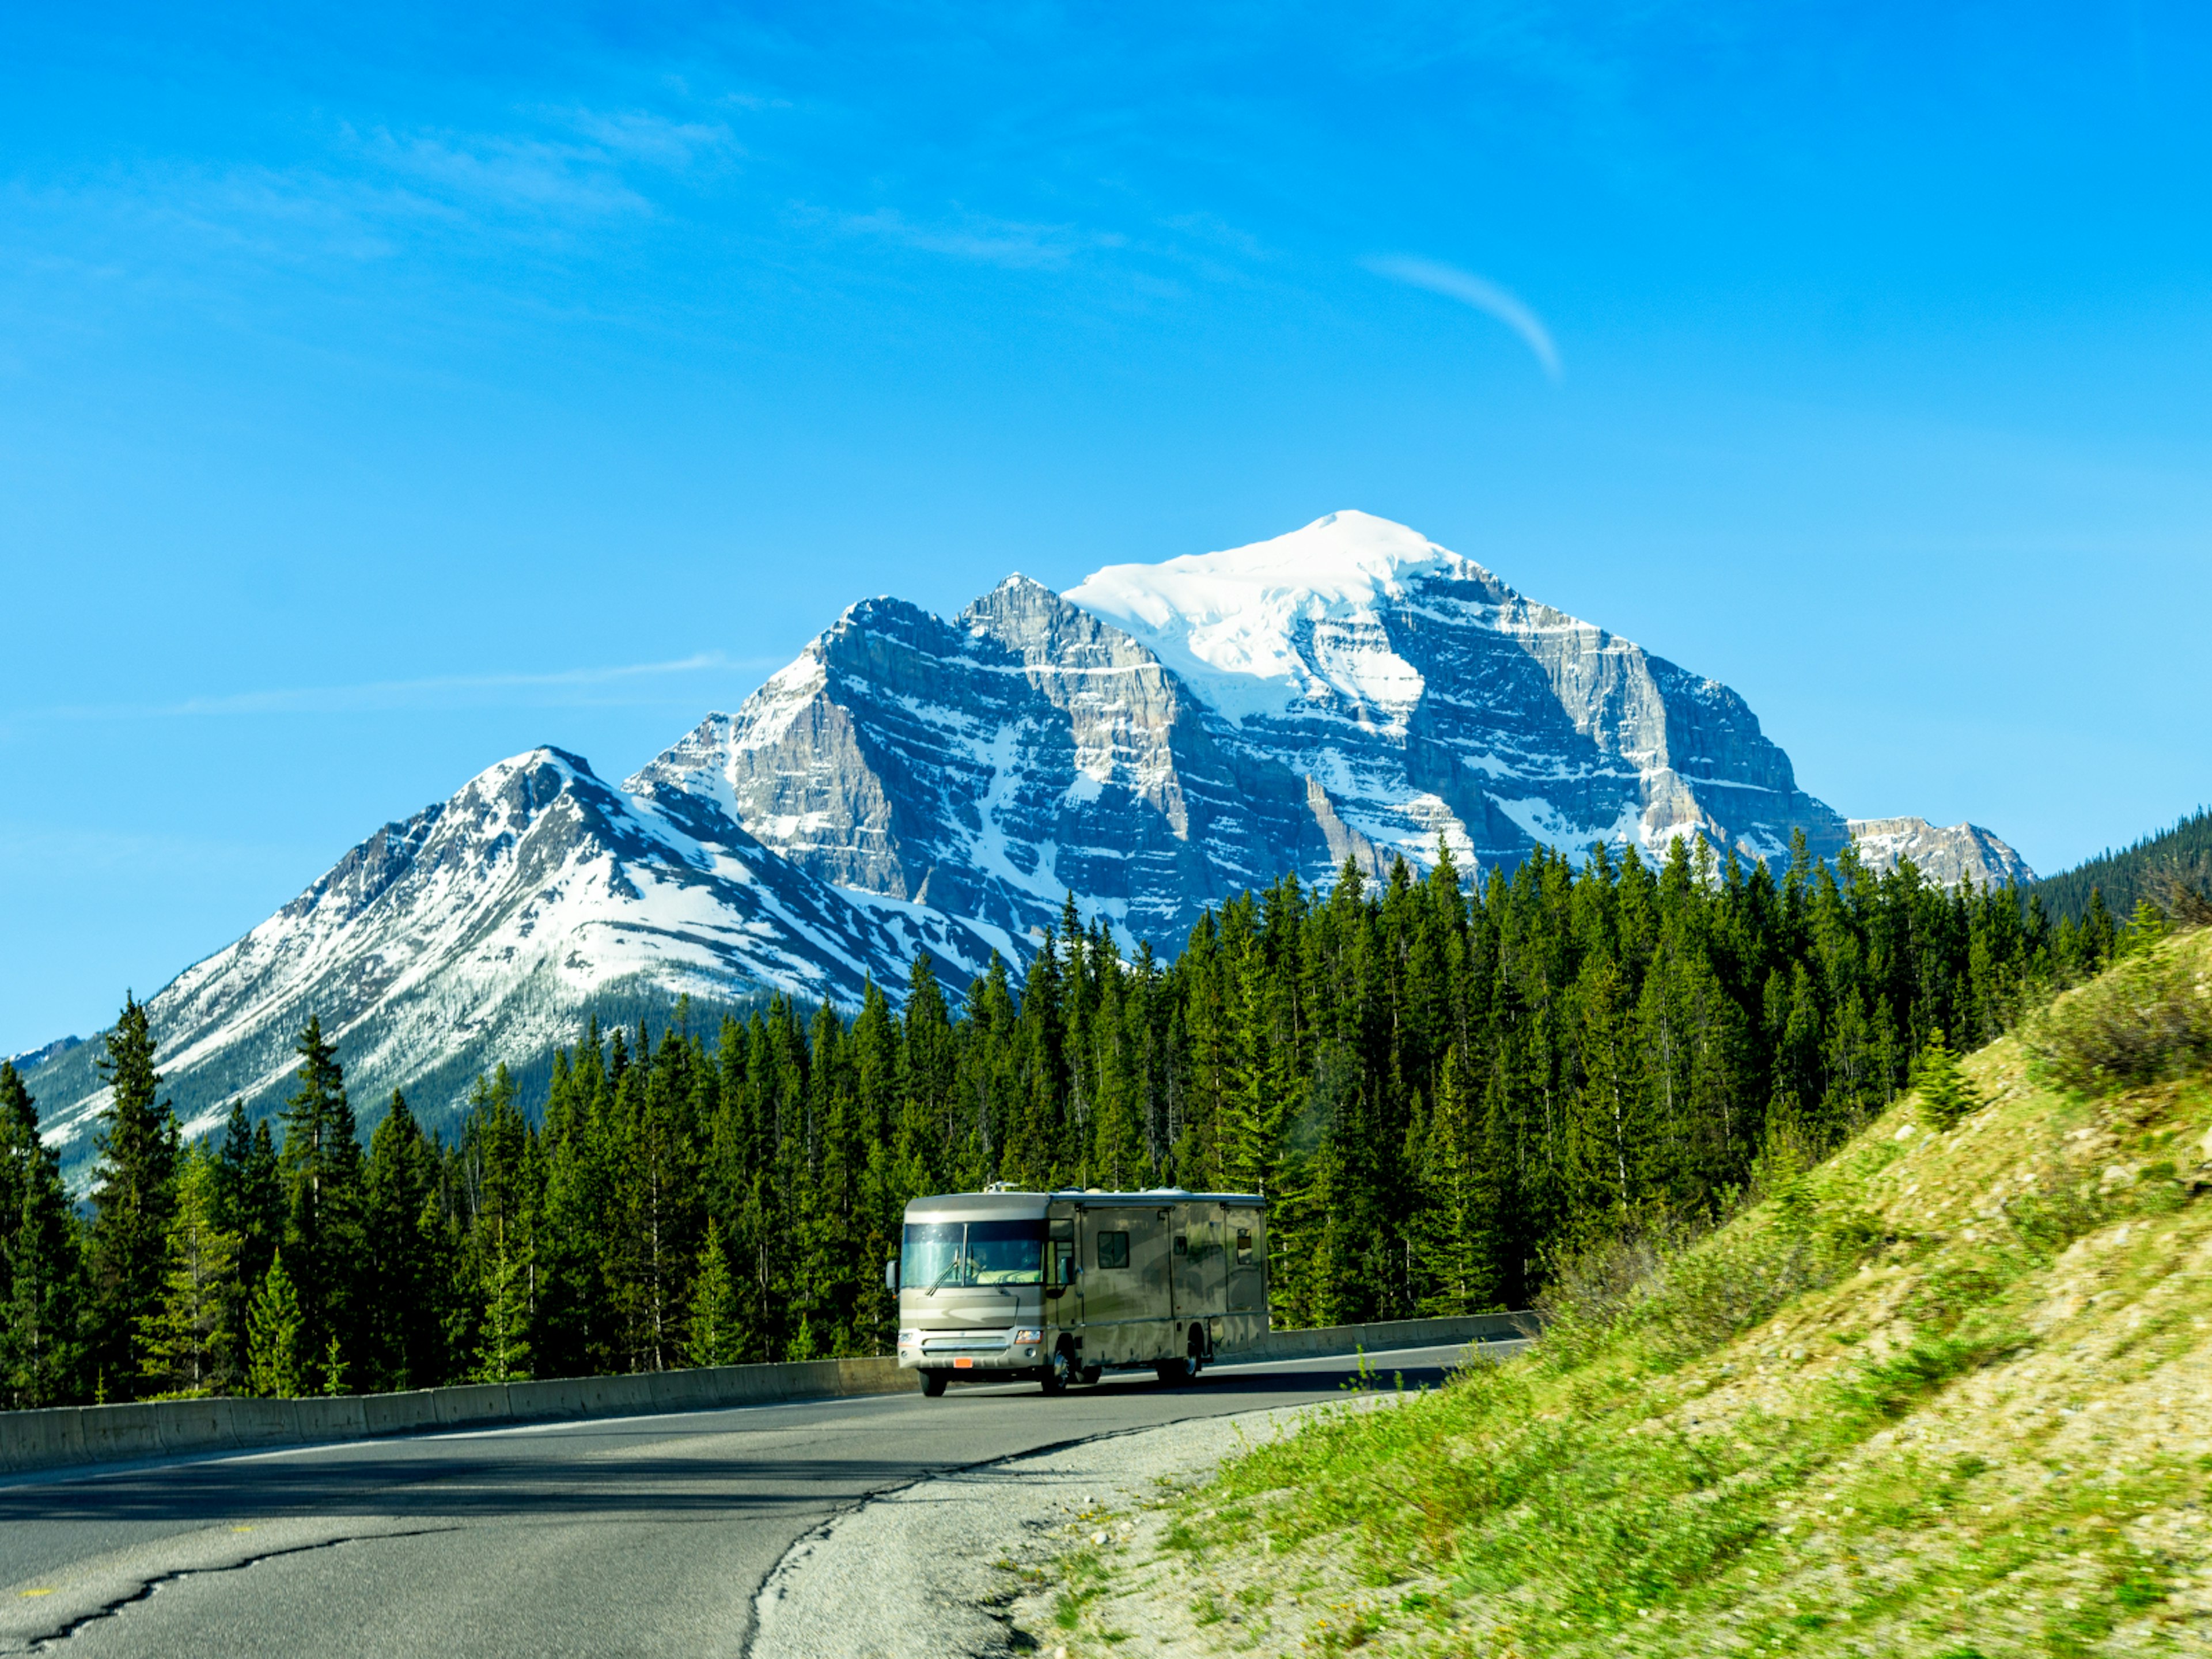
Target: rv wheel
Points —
{"points": [[932, 1383], [1173, 1372], [1061, 1371]]}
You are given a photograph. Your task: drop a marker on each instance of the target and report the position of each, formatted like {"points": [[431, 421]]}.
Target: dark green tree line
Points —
{"points": [[1436, 1088]]}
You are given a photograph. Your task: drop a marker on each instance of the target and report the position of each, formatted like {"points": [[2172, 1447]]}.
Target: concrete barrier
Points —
{"points": [[471, 1403], [398, 1414], [252, 1423], [115, 1434], [46, 1439], [66, 1436], [1331, 1340]]}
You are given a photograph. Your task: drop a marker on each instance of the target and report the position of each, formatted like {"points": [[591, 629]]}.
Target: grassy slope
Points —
{"points": [[1974, 1417]]}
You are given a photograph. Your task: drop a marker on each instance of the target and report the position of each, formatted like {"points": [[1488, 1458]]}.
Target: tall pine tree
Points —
{"points": [[41, 1346], [133, 1196], [320, 1167]]}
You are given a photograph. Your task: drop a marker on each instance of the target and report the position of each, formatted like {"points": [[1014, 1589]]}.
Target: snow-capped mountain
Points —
{"points": [[986, 766], [1963, 852], [1426, 697], [1165, 735], [1159, 737], [483, 928]]}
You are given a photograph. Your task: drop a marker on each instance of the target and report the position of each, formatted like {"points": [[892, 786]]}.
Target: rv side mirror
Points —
{"points": [[890, 1275]]}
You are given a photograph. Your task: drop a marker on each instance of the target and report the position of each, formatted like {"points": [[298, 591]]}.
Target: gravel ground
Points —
{"points": [[939, 1570]]}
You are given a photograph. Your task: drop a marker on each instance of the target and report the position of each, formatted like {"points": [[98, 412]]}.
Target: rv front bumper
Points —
{"points": [[1016, 1350]]}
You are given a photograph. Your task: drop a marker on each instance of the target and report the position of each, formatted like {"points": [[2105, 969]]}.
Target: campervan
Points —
{"points": [[1060, 1287]]}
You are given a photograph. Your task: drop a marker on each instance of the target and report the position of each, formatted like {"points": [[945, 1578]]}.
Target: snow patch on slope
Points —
{"points": [[1233, 624]]}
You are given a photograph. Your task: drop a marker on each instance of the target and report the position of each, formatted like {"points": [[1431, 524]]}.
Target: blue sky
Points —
{"points": [[381, 394]]}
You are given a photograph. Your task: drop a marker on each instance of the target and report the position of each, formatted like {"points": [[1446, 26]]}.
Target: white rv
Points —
{"points": [[1060, 1286]]}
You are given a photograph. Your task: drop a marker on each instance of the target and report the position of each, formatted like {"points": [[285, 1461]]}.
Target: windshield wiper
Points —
{"points": [[941, 1277]]}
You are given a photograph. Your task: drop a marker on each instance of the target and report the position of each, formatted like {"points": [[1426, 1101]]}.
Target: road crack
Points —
{"points": [[115, 1605]]}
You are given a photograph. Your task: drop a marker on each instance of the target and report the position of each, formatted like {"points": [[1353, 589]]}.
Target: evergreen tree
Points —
{"points": [[133, 1197], [2147, 925], [717, 1335], [1948, 1095], [403, 1330], [251, 1193], [276, 1349], [189, 1343], [1459, 1222], [503, 1340], [41, 1352], [320, 1167]]}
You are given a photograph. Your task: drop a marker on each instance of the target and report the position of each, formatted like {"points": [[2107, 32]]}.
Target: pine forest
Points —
{"points": [[1442, 1089]]}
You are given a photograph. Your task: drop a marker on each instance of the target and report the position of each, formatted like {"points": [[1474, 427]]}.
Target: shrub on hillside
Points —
{"points": [[1685, 1291], [2148, 1018], [1948, 1096]]}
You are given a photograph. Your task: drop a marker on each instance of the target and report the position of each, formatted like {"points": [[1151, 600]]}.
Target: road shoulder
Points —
{"points": [[937, 1568]]}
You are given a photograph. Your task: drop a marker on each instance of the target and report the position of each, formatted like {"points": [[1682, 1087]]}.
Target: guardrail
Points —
{"points": [[65, 1436]]}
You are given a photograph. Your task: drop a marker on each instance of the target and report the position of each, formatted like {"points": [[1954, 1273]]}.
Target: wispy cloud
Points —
{"points": [[1007, 242], [376, 192], [518, 174], [435, 692], [654, 139], [1479, 292], [584, 165]]}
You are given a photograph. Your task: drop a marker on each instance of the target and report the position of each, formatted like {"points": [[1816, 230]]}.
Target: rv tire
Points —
{"points": [[1059, 1370], [932, 1383], [1173, 1373]]}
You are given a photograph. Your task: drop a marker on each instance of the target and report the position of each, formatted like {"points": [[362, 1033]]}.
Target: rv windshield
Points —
{"points": [[938, 1254]]}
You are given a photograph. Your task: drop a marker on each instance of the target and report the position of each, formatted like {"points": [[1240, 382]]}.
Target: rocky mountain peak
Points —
{"points": [[1429, 699], [1156, 740], [1257, 629], [1945, 856]]}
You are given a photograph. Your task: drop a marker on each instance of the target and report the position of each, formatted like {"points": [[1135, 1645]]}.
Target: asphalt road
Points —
{"points": [[634, 1535]]}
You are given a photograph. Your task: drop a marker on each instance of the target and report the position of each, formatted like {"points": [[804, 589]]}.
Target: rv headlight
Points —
{"points": [[1028, 1336], [909, 1339]]}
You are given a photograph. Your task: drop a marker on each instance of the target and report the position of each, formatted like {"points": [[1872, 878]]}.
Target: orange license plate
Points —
{"points": [[963, 1364]]}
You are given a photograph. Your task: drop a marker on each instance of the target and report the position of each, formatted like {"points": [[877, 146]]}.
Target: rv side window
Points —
{"points": [[1243, 1247], [1113, 1249]]}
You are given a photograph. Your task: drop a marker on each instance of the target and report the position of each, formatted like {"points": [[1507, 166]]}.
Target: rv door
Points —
{"points": [[1246, 1248], [1063, 1272]]}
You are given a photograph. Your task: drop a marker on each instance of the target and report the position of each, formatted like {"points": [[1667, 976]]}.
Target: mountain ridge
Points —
{"points": [[485, 925], [1153, 742]]}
